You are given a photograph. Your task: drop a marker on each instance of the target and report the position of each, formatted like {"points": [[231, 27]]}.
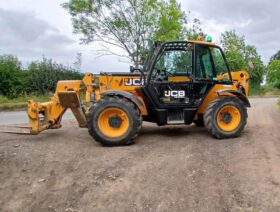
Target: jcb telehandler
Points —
{"points": [[182, 82]]}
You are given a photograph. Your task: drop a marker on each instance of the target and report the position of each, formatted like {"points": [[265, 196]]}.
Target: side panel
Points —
{"points": [[221, 90], [212, 94], [177, 95], [119, 82], [123, 83]]}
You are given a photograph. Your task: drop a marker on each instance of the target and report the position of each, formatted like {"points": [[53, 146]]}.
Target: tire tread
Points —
{"points": [[210, 118], [121, 101]]}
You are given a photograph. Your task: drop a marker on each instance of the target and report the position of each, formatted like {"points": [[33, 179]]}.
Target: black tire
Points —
{"points": [[134, 116], [211, 113], [199, 122]]}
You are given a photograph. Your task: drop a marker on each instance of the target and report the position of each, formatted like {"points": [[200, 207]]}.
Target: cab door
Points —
{"points": [[170, 83]]}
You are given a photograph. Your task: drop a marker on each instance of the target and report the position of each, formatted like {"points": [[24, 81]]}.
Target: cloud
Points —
{"points": [[28, 37], [32, 28], [256, 19]]}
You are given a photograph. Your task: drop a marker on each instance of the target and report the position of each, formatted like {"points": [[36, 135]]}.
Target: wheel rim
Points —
{"points": [[228, 118], [113, 122]]}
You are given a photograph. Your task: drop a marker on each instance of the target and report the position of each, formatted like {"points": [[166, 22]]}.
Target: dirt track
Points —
{"points": [[169, 169]]}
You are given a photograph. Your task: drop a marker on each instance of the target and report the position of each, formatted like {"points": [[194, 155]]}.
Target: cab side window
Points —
{"points": [[204, 65], [220, 64]]}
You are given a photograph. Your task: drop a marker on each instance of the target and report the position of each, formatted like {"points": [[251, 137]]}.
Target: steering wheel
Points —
{"points": [[162, 74], [159, 75], [168, 73]]}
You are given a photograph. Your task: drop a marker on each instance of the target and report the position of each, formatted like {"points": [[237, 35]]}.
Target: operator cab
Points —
{"points": [[179, 75], [195, 60]]}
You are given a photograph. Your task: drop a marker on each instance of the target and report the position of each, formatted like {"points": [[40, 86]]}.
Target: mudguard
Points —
{"points": [[136, 100], [240, 95]]}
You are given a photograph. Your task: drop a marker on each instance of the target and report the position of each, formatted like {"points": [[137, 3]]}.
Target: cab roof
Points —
{"points": [[202, 42]]}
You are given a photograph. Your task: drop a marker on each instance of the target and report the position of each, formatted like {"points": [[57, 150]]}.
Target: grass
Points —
{"points": [[18, 103], [265, 91]]}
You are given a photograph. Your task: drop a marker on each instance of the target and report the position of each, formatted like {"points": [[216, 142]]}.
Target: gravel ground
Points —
{"points": [[171, 168]]}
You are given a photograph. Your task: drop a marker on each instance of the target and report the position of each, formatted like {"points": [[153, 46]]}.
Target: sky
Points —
{"points": [[31, 29]]}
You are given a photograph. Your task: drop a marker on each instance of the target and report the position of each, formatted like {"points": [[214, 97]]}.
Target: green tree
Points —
{"points": [[172, 21], [239, 55], [129, 25], [273, 73], [43, 75], [12, 78]]}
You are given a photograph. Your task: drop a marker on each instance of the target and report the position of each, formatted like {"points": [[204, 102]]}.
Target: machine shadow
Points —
{"points": [[173, 131]]}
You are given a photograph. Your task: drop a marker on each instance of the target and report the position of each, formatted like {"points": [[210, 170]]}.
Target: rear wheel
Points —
{"points": [[225, 117], [114, 121]]}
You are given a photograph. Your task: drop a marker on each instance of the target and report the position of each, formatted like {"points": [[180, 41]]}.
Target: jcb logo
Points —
{"points": [[133, 81], [175, 94]]}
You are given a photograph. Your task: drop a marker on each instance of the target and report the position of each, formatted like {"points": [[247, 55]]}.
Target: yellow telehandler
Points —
{"points": [[182, 82]]}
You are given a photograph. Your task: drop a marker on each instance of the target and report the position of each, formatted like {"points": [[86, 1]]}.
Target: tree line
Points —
{"points": [[273, 70], [39, 78]]}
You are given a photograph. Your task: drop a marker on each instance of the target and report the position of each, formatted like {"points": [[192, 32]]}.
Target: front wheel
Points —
{"points": [[114, 121], [225, 117]]}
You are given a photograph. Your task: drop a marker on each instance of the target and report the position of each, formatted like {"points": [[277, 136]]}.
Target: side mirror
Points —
{"points": [[142, 74], [132, 69]]}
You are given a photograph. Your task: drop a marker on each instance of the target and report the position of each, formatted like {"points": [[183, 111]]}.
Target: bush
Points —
{"points": [[12, 78], [273, 71], [264, 90], [39, 78], [43, 75]]}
